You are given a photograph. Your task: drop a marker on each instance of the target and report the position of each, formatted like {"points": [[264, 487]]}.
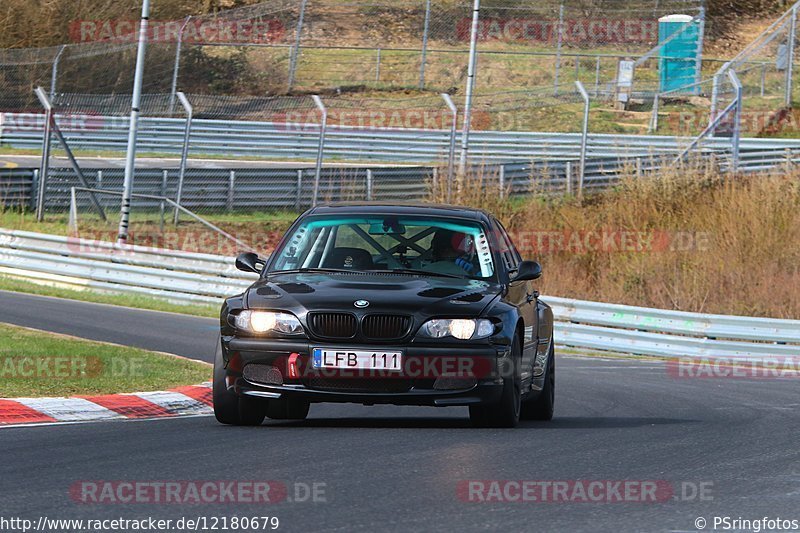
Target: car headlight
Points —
{"points": [[460, 328], [268, 321]]}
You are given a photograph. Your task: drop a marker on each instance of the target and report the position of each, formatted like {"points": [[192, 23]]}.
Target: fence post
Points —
{"points": [[502, 180], [54, 72], [584, 135], [378, 67], [295, 53], [130, 158], [737, 120], [187, 132], [369, 185], [231, 191], [698, 61], [451, 157], [323, 126], [176, 70], [560, 37], [763, 78], [473, 62], [99, 179], [299, 198], [712, 114], [790, 66], [597, 77], [425, 36]]}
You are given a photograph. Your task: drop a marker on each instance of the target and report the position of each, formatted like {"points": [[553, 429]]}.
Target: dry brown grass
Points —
{"points": [[711, 244]]}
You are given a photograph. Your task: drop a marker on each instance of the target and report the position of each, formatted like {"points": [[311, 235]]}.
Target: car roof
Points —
{"points": [[400, 209]]}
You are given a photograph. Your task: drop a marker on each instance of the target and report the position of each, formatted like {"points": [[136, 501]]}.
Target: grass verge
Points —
{"points": [[124, 300], [38, 364]]}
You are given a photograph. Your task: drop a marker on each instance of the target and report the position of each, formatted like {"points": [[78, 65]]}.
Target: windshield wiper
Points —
{"points": [[416, 271], [312, 271]]}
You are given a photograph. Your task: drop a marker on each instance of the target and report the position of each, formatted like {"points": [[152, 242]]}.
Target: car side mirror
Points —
{"points": [[528, 271], [250, 262]]}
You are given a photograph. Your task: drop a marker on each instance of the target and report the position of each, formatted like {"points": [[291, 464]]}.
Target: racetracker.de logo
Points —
{"points": [[734, 367], [582, 491], [573, 31], [171, 31]]}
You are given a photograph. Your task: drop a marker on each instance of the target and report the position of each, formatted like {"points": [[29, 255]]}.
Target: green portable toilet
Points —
{"points": [[678, 65]]}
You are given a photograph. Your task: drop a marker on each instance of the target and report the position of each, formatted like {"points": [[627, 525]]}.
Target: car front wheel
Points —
{"points": [[505, 413], [230, 408]]}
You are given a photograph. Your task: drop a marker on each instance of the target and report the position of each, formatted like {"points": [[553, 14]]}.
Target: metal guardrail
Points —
{"points": [[17, 186], [269, 140], [201, 278]]}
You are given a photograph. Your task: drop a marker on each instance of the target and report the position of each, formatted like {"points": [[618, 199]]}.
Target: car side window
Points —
{"points": [[506, 248], [514, 252]]}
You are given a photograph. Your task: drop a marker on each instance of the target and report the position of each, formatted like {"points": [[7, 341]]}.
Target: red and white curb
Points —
{"points": [[182, 401]]}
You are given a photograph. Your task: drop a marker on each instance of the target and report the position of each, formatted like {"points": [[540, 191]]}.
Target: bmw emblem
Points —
{"points": [[361, 304]]}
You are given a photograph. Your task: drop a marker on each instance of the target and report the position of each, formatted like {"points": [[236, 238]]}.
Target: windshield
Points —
{"points": [[434, 246]]}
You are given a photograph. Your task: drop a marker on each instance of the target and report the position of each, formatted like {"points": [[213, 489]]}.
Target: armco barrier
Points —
{"points": [[201, 278], [269, 140]]}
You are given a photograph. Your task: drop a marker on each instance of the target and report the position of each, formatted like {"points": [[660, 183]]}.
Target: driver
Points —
{"points": [[448, 250]]}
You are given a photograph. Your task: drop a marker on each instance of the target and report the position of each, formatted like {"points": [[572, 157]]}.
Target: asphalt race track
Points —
{"points": [[398, 469]]}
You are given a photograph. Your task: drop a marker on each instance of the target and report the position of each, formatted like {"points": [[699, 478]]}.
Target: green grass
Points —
{"points": [[35, 363], [125, 300]]}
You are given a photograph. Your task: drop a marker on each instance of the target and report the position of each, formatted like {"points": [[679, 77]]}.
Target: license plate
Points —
{"points": [[357, 359]]}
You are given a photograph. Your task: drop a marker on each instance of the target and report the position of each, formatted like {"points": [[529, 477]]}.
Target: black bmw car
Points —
{"points": [[387, 304]]}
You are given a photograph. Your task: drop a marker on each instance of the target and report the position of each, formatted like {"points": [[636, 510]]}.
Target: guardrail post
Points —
{"points": [[369, 185], [323, 126], [568, 171], [72, 223], [295, 53], [451, 156], [162, 207], [176, 69], [790, 64], [654, 117], [34, 189], [187, 133], [502, 179], [425, 36], [584, 135], [231, 191], [99, 179], [299, 198]]}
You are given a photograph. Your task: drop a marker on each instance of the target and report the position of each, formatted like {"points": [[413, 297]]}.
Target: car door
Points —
{"points": [[522, 295]]}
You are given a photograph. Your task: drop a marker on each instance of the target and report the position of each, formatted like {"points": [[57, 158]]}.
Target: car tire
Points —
{"points": [[285, 409], [505, 413], [543, 406], [230, 408]]}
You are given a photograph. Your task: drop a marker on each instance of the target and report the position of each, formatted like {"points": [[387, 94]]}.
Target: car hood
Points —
{"points": [[386, 293]]}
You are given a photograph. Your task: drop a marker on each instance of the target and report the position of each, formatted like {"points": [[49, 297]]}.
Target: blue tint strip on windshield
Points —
{"points": [[472, 230]]}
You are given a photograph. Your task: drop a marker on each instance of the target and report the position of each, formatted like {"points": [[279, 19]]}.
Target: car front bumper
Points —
{"points": [[483, 387]]}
